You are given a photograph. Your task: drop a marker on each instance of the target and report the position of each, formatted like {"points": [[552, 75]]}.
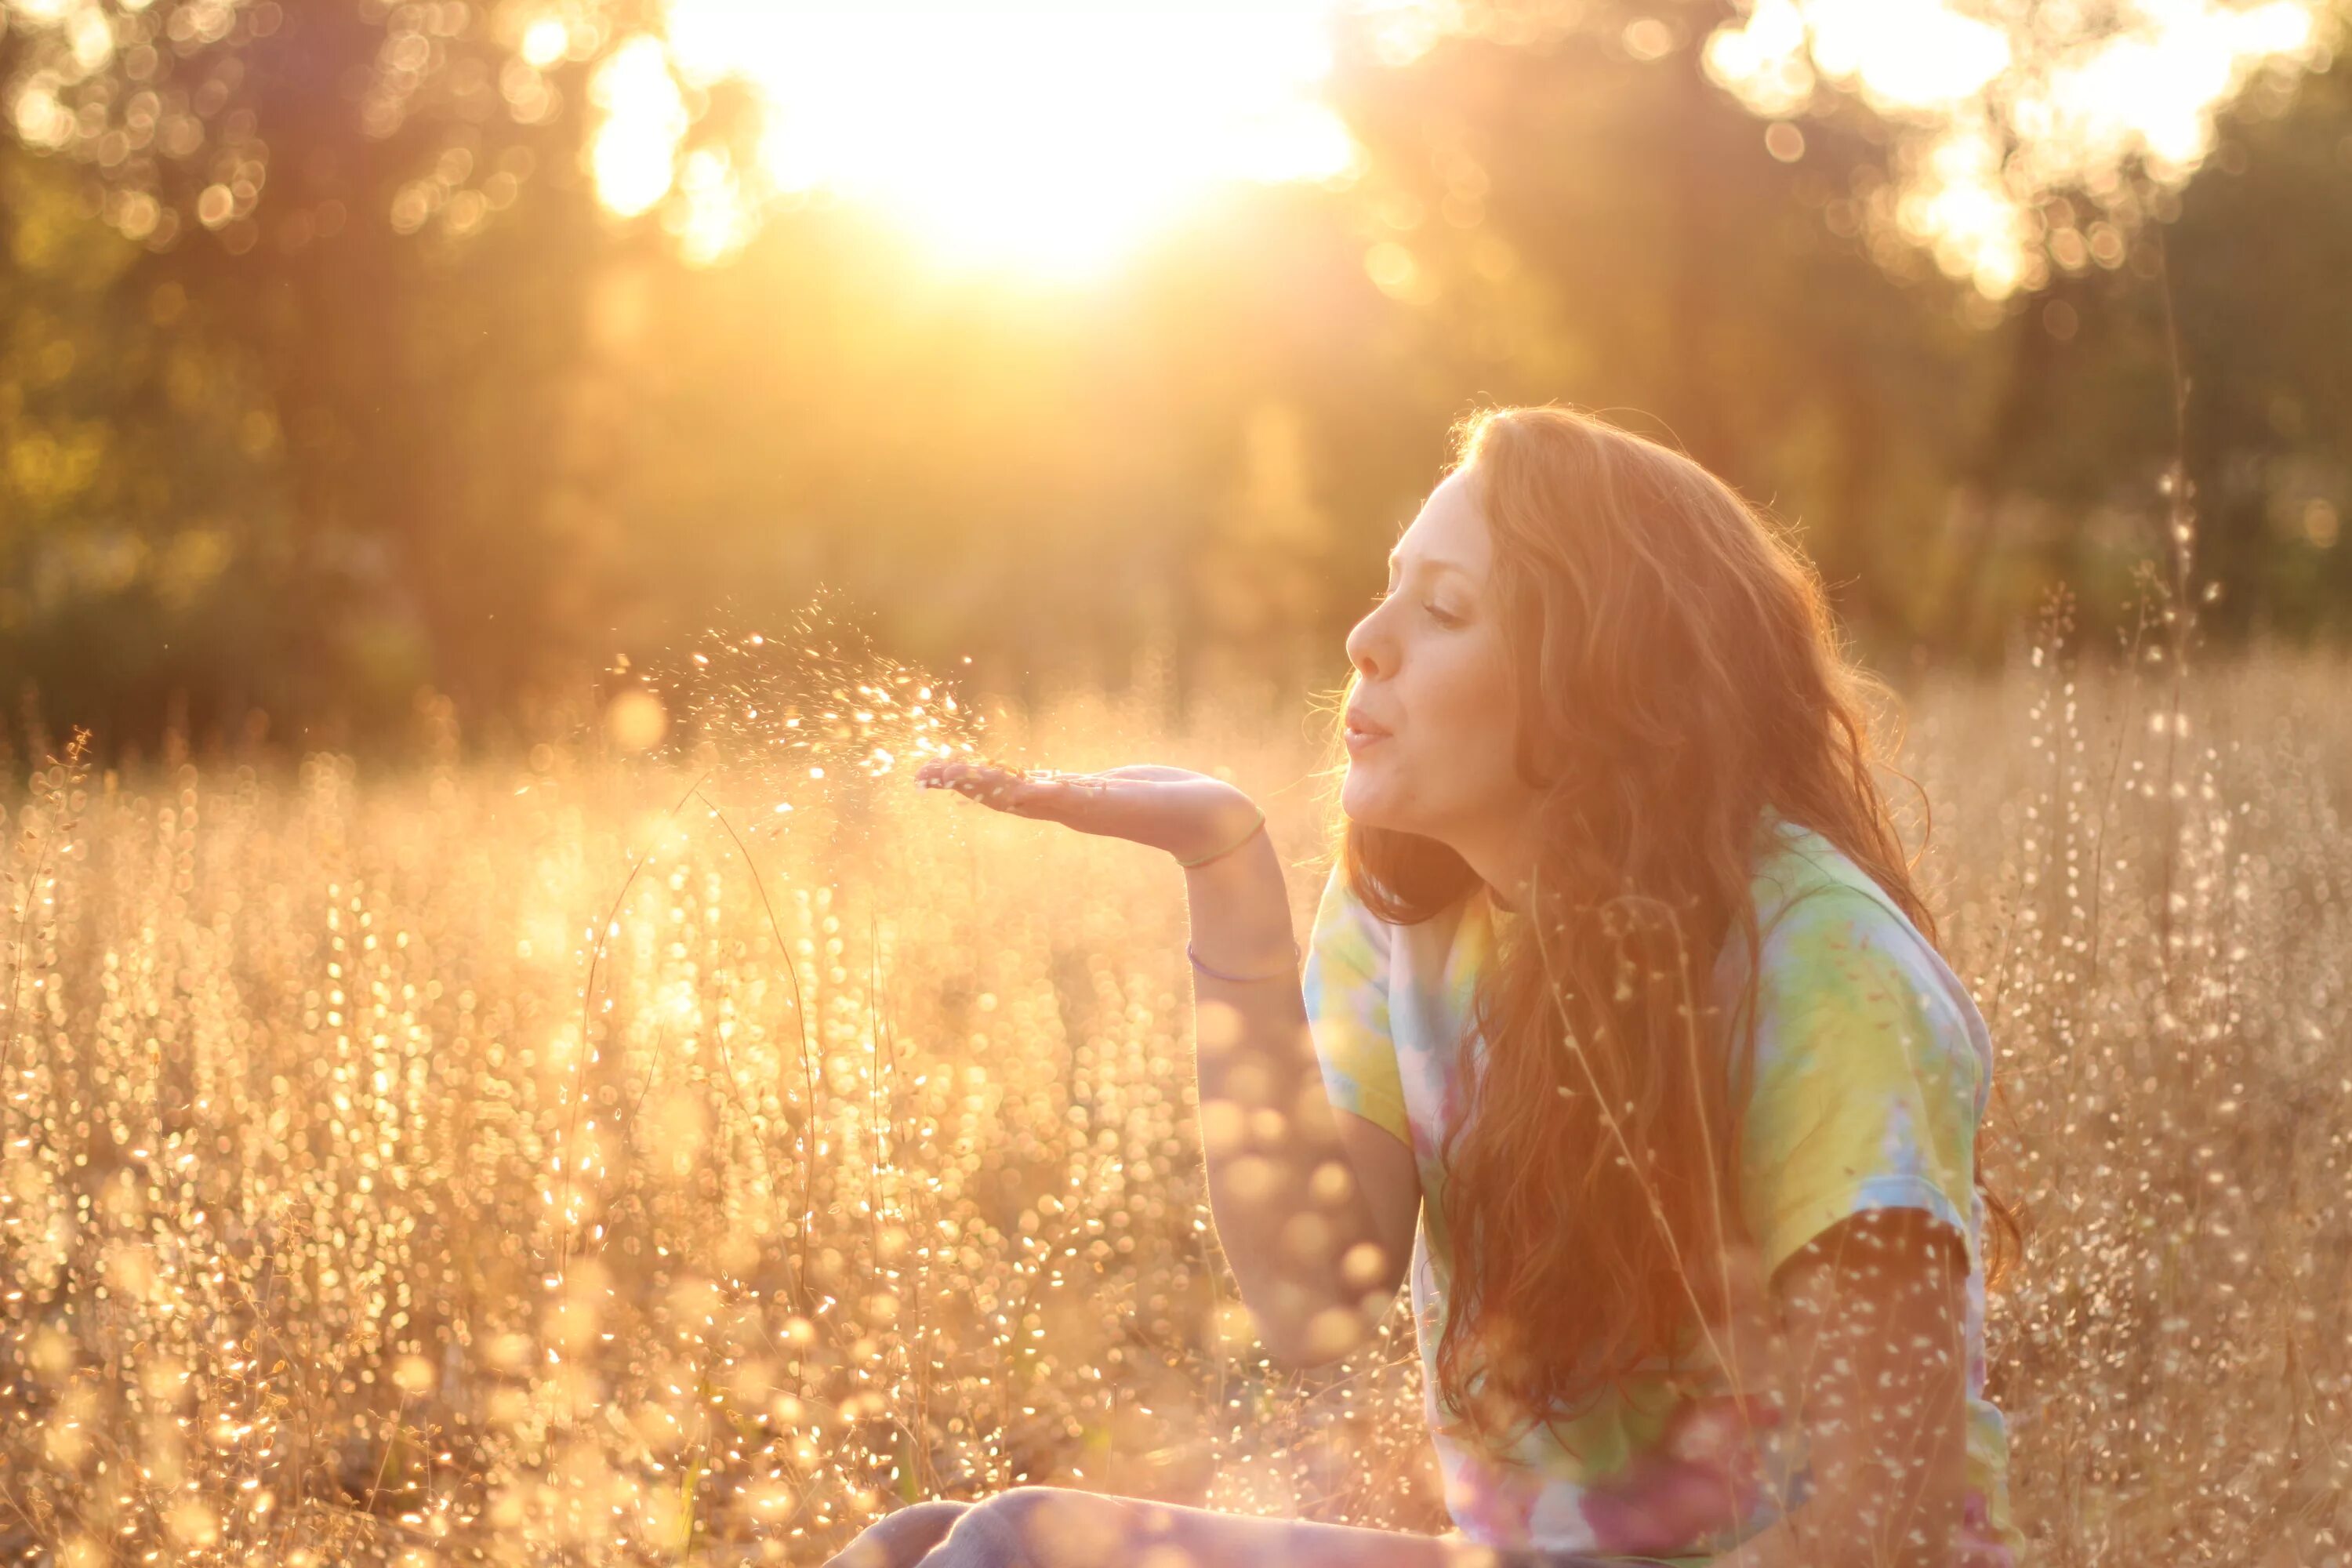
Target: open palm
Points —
{"points": [[1185, 813]]}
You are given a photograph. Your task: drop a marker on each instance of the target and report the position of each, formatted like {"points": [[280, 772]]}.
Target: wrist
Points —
{"points": [[1229, 846], [1288, 971]]}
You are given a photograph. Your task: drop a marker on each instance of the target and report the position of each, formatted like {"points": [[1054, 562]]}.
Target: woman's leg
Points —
{"points": [[898, 1540], [1052, 1527]]}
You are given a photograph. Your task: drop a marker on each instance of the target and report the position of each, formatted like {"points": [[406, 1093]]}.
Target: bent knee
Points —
{"points": [[946, 1509], [1059, 1527], [902, 1536]]}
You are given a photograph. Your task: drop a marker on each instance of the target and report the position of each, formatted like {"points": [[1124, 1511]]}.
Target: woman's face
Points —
{"points": [[1430, 723]]}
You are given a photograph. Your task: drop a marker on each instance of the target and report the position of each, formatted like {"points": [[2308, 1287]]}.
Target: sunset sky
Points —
{"points": [[1057, 139]]}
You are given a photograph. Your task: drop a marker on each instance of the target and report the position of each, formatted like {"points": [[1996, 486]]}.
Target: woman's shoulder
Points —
{"points": [[1831, 936], [1803, 882], [1342, 925]]}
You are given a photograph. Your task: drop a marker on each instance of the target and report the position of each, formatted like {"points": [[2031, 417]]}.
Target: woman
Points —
{"points": [[1622, 1024]]}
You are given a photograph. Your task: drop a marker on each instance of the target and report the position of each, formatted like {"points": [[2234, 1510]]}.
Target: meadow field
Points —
{"points": [[687, 1155]]}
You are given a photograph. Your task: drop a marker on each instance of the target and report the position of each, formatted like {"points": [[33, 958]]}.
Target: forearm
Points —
{"points": [[1287, 1206], [1873, 1309]]}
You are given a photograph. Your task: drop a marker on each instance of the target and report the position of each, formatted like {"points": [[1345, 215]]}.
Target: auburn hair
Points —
{"points": [[1676, 671]]}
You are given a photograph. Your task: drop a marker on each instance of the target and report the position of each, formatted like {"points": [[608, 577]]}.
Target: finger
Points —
{"points": [[1069, 799], [962, 774], [1046, 795], [1089, 802], [937, 771]]}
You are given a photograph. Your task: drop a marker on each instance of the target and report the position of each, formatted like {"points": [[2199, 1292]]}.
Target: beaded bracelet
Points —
{"points": [[1220, 975], [1236, 844]]}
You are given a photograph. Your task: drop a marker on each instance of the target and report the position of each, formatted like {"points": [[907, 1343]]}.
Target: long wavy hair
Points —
{"points": [[1675, 672]]}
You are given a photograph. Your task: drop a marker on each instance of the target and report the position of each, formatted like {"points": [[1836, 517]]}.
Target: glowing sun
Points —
{"points": [[1051, 138]]}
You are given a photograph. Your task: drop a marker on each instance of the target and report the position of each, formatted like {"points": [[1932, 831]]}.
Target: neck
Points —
{"points": [[1503, 856]]}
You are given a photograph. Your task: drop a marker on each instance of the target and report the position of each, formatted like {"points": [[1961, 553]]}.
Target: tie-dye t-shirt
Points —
{"points": [[1872, 1070]]}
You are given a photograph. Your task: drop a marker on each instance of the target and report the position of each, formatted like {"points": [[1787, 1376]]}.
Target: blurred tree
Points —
{"points": [[140, 504], [1263, 578], [2258, 261], [375, 206], [2064, 482], [1936, 343]]}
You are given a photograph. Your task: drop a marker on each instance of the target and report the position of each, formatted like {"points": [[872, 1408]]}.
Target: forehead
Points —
{"points": [[1449, 528]]}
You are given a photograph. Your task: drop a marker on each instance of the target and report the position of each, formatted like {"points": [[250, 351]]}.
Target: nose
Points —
{"points": [[1367, 647]]}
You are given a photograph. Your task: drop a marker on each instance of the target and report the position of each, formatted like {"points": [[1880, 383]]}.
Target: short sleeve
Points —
{"points": [[1346, 985], [1869, 1074]]}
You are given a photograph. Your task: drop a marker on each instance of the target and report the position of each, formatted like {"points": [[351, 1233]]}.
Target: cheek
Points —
{"points": [[1472, 719]]}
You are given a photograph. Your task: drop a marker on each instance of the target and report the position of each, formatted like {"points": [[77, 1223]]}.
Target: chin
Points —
{"points": [[1363, 804]]}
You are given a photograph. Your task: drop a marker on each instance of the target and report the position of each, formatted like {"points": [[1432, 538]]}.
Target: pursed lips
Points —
{"points": [[1361, 731]]}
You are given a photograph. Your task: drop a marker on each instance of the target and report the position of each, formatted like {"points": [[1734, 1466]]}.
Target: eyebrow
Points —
{"points": [[1436, 563]]}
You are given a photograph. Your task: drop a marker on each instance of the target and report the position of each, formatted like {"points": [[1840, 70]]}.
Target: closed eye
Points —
{"points": [[1439, 616]]}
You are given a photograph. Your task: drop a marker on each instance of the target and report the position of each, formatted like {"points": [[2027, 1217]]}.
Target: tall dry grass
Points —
{"points": [[556, 1163]]}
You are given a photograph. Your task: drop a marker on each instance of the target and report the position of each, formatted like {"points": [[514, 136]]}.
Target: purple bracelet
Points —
{"points": [[1220, 975]]}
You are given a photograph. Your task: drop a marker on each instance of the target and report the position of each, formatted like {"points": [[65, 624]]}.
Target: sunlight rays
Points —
{"points": [[1051, 140]]}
